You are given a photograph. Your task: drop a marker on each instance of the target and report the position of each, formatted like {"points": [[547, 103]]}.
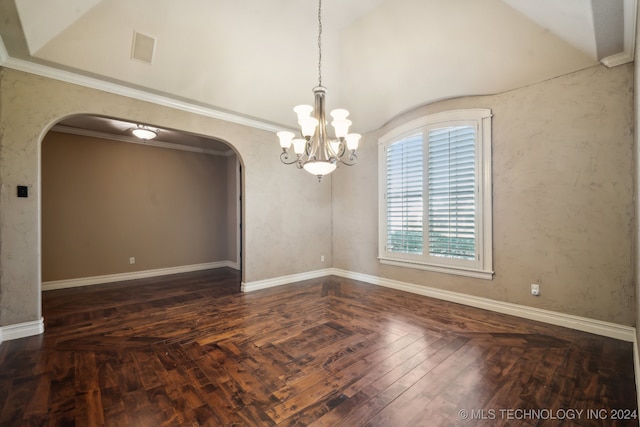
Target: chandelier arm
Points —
{"points": [[284, 158], [349, 161]]}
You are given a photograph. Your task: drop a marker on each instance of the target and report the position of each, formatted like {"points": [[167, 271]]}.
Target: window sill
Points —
{"points": [[478, 274]]}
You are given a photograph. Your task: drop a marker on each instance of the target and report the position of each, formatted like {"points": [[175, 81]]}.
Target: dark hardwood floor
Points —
{"points": [[192, 350]]}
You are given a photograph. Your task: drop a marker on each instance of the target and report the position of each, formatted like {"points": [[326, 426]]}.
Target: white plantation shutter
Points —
{"points": [[435, 194], [451, 190], [404, 194]]}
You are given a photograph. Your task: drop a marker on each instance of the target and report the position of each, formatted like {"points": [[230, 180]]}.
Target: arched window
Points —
{"points": [[435, 194]]}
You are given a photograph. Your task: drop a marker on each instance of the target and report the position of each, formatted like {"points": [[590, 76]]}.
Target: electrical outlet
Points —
{"points": [[321, 258], [132, 260], [535, 290]]}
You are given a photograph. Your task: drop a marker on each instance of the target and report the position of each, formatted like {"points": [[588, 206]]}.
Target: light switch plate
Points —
{"points": [[23, 191]]}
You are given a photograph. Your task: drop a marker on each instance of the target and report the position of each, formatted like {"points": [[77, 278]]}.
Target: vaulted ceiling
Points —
{"points": [[259, 58]]}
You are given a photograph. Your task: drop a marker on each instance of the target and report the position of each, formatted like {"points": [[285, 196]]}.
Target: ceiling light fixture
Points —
{"points": [[315, 151], [144, 132]]}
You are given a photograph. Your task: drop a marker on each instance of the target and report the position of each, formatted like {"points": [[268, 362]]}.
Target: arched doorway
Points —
{"points": [[115, 207]]}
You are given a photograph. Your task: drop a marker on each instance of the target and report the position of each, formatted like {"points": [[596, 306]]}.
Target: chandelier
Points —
{"points": [[315, 151]]}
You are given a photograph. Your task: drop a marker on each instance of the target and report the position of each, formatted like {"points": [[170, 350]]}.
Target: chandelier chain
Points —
{"points": [[319, 42]]}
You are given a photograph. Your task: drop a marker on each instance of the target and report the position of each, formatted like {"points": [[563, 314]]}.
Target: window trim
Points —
{"points": [[483, 268]]}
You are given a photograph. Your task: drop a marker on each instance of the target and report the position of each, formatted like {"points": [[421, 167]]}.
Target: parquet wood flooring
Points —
{"points": [[192, 350]]}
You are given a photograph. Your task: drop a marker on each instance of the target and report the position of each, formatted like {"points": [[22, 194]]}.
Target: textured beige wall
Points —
{"points": [[275, 239], [563, 209], [106, 201], [636, 159], [231, 171], [563, 193]]}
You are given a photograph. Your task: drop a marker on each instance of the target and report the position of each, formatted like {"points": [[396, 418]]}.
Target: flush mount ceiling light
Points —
{"points": [[316, 152], [144, 132]]}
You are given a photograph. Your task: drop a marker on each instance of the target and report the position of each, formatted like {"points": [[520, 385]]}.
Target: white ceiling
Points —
{"points": [[259, 58]]}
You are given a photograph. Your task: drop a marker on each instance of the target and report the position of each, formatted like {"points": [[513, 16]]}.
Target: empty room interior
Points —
{"points": [[327, 213]]}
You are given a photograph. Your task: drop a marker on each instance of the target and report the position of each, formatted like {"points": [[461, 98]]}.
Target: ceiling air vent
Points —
{"points": [[143, 47]]}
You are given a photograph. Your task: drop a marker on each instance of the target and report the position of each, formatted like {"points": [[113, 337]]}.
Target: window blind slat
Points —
{"points": [[451, 189], [405, 195], [451, 192]]}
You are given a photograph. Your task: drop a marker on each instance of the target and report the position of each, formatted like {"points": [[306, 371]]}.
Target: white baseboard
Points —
{"points": [[594, 326], [598, 327], [96, 280], [21, 330], [284, 280]]}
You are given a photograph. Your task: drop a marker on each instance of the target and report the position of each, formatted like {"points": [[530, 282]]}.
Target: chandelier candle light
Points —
{"points": [[315, 151]]}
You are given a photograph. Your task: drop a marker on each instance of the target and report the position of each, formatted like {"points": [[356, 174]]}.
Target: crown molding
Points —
{"points": [[4, 55], [133, 140], [630, 17], [69, 77], [617, 59]]}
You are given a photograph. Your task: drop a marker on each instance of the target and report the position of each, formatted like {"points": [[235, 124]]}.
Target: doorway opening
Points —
{"points": [[115, 207]]}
